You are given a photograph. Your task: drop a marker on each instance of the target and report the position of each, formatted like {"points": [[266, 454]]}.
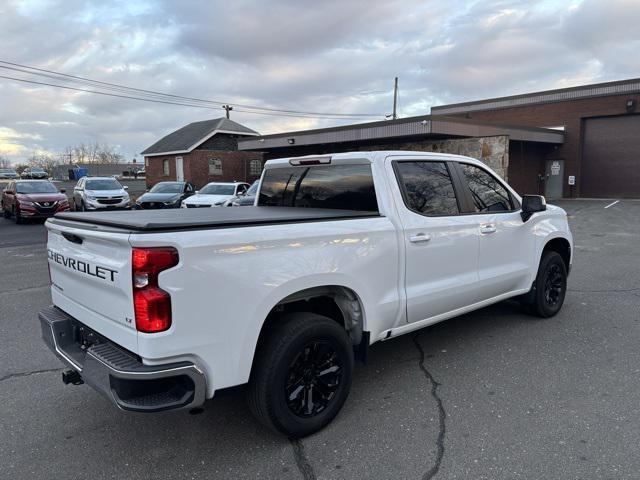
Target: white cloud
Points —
{"points": [[336, 55]]}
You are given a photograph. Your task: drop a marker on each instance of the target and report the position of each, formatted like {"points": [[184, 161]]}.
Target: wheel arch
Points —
{"points": [[338, 302], [560, 245]]}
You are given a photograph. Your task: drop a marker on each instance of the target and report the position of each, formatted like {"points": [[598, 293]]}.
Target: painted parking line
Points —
{"points": [[612, 204]]}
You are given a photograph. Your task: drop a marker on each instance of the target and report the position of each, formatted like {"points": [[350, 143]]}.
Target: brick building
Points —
{"points": [[601, 150], [203, 152]]}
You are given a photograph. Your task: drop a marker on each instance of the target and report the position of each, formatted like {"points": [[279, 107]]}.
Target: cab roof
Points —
{"points": [[371, 156]]}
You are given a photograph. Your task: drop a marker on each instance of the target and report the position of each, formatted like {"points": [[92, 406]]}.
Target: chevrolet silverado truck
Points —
{"points": [[159, 310]]}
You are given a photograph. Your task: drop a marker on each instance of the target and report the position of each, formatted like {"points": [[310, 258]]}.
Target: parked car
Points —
{"points": [[35, 173], [246, 199], [341, 251], [100, 193], [8, 174], [165, 195], [215, 194], [27, 199]]}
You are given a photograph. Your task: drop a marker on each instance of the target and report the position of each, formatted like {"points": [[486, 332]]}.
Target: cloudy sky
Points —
{"points": [[333, 56]]}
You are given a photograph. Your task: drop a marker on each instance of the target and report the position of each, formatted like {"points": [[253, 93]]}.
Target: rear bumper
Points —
{"points": [[118, 374]]}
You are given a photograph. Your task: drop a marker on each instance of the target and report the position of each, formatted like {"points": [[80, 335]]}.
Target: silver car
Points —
{"points": [[100, 193]]}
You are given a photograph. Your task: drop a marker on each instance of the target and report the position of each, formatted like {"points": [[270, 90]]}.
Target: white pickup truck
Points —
{"points": [[160, 310]]}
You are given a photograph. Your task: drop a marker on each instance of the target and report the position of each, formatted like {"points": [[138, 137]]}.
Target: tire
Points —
{"points": [[17, 217], [6, 213], [288, 362], [82, 207], [550, 286]]}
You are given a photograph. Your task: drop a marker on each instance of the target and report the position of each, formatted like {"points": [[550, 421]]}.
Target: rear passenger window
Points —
{"points": [[427, 188], [345, 187], [487, 193]]}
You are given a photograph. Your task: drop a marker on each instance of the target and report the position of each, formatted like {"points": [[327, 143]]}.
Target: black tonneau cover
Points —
{"points": [[216, 217]]}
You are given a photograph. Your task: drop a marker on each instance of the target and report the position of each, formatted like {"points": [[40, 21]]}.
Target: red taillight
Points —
{"points": [[152, 305]]}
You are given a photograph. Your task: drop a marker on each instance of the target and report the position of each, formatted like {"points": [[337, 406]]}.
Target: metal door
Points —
{"points": [[554, 174]]}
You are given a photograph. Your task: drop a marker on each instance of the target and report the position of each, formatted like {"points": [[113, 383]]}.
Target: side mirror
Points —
{"points": [[126, 187], [196, 192], [532, 204], [63, 190]]}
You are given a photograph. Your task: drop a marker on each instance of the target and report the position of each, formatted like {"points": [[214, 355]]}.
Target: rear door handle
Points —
{"points": [[420, 237], [487, 228]]}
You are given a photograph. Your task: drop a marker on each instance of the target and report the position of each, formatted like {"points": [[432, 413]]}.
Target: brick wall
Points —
{"points": [[154, 169], [569, 114], [235, 166]]}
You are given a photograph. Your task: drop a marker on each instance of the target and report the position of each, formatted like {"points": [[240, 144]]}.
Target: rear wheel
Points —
{"points": [[301, 374], [82, 207], [550, 286], [6, 213]]}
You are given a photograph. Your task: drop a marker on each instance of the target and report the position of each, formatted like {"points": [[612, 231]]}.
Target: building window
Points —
{"points": [[165, 167], [146, 162], [215, 166], [255, 167]]}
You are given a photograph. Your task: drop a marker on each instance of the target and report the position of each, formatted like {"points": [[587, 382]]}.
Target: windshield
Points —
{"points": [[103, 184], [7, 170], [35, 187], [37, 170], [253, 189], [218, 189], [167, 187]]}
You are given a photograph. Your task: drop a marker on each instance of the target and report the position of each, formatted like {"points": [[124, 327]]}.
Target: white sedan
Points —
{"points": [[215, 194]]}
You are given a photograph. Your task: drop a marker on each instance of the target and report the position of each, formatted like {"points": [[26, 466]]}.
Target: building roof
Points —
{"points": [[421, 127], [190, 136], [620, 87]]}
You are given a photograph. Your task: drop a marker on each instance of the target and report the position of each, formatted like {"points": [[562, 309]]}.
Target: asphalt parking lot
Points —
{"points": [[490, 395]]}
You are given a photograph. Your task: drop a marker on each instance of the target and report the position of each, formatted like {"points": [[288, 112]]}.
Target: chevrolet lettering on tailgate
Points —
{"points": [[82, 267]]}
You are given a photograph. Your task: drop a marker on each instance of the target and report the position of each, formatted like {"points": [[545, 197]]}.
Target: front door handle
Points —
{"points": [[420, 237], [487, 228]]}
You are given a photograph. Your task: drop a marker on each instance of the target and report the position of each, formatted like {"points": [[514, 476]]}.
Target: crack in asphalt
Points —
{"points": [[433, 471], [613, 290], [25, 289], [26, 374], [302, 461]]}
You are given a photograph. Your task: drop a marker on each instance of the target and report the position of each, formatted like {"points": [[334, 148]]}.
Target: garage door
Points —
{"points": [[611, 157]]}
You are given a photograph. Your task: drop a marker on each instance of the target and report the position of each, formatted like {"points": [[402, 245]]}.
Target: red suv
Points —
{"points": [[32, 199]]}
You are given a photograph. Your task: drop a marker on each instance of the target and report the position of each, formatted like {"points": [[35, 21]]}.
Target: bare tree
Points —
{"points": [[95, 152], [4, 162], [43, 160]]}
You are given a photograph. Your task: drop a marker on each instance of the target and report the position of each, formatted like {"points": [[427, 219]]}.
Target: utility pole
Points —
{"points": [[228, 108], [395, 98]]}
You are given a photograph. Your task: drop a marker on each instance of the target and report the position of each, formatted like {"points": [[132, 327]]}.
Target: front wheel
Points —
{"points": [[550, 286], [17, 217], [301, 374], [6, 213]]}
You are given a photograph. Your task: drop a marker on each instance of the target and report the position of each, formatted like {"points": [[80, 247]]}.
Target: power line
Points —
{"points": [[163, 97], [166, 102]]}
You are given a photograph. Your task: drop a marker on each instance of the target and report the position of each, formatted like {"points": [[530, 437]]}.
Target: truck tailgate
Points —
{"points": [[91, 280]]}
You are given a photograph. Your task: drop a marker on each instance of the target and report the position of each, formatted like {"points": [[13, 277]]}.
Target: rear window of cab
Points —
{"points": [[344, 187]]}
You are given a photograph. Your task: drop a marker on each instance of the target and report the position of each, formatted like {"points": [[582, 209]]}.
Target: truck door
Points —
{"points": [[441, 245], [506, 242]]}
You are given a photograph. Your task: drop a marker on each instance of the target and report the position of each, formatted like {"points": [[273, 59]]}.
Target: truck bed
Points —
{"points": [[204, 218]]}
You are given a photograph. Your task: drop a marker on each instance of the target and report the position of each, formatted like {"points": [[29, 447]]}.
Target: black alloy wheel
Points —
{"points": [[314, 377], [550, 287], [553, 285]]}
